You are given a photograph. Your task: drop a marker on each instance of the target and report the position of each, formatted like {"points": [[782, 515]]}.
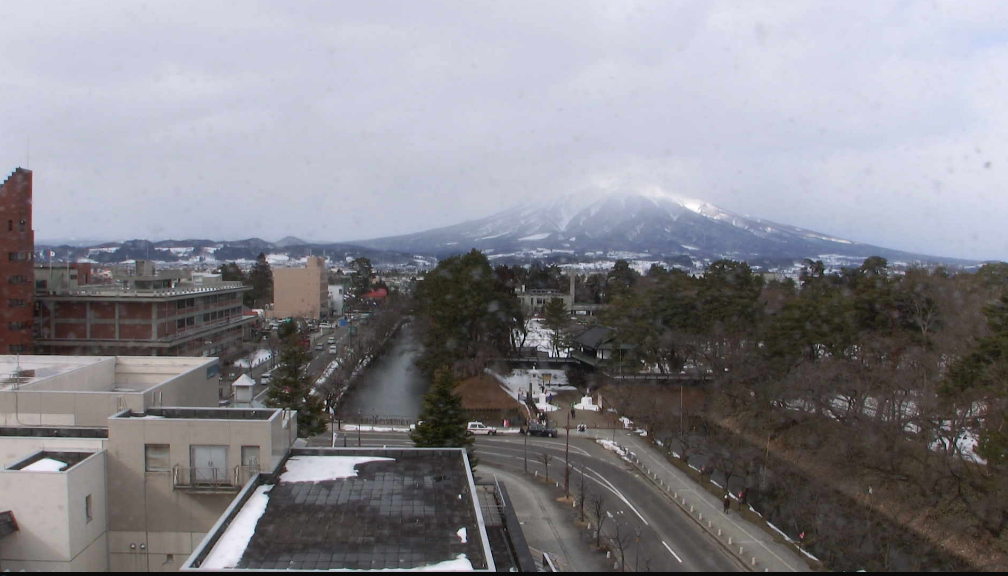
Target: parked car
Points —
{"points": [[266, 376], [481, 428], [325, 325], [537, 429]]}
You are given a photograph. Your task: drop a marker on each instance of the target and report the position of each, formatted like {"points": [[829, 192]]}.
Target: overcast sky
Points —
{"points": [[881, 122]]}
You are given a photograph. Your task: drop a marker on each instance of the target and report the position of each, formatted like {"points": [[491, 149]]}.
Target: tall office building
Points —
{"points": [[17, 249]]}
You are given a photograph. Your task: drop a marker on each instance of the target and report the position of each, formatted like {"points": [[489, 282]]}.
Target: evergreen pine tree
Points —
{"points": [[291, 387], [443, 422], [261, 277]]}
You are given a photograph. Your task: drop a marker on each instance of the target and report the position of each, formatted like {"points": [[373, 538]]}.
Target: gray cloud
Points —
{"points": [[874, 121]]}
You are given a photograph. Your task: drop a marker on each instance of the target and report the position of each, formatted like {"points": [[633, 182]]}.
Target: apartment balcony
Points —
{"points": [[212, 480]]}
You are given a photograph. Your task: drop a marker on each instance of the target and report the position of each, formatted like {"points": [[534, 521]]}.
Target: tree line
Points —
{"points": [[894, 381]]}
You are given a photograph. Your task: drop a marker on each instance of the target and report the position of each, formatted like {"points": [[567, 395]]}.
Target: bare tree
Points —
{"points": [[583, 493], [596, 507], [545, 458], [622, 539]]}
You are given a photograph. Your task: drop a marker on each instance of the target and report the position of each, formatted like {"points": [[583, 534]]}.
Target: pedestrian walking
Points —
{"points": [[743, 497], [727, 503]]}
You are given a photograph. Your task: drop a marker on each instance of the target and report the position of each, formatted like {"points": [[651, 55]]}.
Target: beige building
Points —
{"points": [[301, 292], [174, 471], [97, 475]]}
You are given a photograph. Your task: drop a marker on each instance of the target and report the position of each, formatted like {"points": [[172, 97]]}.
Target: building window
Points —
{"points": [[18, 325], [16, 303], [10, 225], [21, 225], [41, 284], [17, 279], [18, 256], [87, 509], [250, 456], [156, 458]]}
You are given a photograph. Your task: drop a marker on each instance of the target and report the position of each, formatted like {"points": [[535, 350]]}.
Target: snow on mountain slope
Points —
{"points": [[652, 222]]}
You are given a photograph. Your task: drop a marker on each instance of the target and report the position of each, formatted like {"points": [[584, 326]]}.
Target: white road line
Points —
{"points": [[619, 495], [672, 551]]}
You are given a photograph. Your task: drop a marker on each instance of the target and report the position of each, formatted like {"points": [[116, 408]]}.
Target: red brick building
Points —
{"points": [[147, 314], [17, 249]]}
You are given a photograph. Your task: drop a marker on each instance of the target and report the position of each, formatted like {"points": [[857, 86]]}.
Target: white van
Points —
{"points": [[266, 377]]}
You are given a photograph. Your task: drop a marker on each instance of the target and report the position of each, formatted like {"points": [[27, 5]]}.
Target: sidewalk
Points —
{"points": [[750, 543]]}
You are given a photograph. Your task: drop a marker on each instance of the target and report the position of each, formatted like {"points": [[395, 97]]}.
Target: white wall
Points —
{"points": [[14, 448], [39, 503]]}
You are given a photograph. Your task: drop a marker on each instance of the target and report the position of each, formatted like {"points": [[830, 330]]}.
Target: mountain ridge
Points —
{"points": [[649, 224]]}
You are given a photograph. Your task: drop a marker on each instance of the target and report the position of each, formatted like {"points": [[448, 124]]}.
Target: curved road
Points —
{"points": [[669, 538]]}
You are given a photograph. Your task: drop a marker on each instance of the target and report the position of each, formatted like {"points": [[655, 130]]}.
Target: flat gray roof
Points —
{"points": [[354, 509]]}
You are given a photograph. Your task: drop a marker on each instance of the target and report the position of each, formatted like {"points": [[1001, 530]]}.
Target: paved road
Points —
{"points": [[669, 540], [546, 523]]}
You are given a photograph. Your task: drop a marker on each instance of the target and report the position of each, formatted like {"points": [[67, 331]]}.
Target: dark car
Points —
{"points": [[537, 429]]}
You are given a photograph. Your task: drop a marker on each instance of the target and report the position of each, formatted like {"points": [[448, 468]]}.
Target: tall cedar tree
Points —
{"points": [[443, 421], [261, 277], [468, 311], [291, 387]]}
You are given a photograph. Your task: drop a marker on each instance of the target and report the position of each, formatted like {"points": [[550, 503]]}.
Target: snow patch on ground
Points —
{"points": [[322, 468], [232, 544], [461, 534], [328, 372], [262, 355], [368, 428], [608, 445], [587, 404]]}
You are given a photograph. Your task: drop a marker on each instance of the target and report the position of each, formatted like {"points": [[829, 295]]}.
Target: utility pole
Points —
{"points": [[358, 427], [526, 445], [567, 457]]}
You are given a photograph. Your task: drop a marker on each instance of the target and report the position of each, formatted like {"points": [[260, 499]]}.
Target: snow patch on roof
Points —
{"points": [[232, 544], [322, 468], [45, 465]]}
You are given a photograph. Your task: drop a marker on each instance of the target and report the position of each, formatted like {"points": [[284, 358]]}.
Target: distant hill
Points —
{"points": [[203, 251]]}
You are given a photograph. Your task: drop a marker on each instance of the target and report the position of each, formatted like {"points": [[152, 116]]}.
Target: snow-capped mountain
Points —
{"points": [[647, 224]]}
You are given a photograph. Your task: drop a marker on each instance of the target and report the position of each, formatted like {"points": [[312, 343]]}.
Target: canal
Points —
{"points": [[392, 386]]}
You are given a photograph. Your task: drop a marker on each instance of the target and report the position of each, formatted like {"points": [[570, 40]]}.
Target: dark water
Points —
{"points": [[392, 386]]}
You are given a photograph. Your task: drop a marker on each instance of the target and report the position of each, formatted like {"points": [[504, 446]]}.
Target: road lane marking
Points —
{"points": [[619, 495], [672, 551]]}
